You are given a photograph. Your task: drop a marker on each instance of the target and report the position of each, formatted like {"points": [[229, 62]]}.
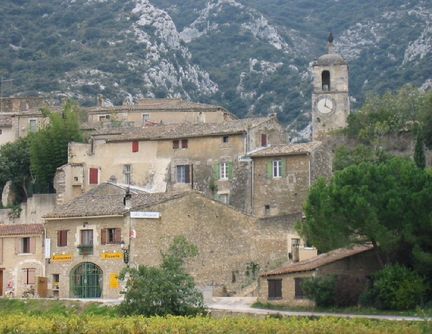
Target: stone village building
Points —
{"points": [[86, 237]]}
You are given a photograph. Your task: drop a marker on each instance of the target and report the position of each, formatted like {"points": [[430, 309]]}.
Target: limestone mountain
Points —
{"points": [[251, 56]]}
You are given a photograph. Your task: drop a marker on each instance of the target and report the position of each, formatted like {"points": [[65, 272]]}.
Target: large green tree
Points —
{"points": [[387, 204], [163, 290], [49, 146], [15, 167]]}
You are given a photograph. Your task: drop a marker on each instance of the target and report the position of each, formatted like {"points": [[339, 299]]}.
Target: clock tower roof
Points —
{"points": [[331, 58]]}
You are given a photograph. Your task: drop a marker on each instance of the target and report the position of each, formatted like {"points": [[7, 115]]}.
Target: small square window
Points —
{"points": [[183, 174], [146, 117], [184, 143], [135, 146], [175, 144], [225, 139], [274, 288], [25, 245], [224, 198], [62, 238], [33, 125]]}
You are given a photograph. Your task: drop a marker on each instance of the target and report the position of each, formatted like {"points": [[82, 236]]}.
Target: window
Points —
{"points": [[62, 238], [135, 146], [145, 117], [87, 238], [33, 125], [56, 281], [183, 174], [263, 140], [299, 288], [25, 245], [94, 176], [175, 144], [277, 168], [127, 171], [103, 118], [224, 198], [325, 78], [223, 171], [110, 236], [184, 143], [274, 288], [267, 209], [225, 139], [29, 275]]}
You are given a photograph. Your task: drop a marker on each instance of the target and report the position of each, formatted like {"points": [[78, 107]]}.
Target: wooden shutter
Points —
{"points": [[33, 245], [187, 174], [117, 236], [270, 169], [274, 288], [283, 167], [263, 139], [175, 144], [216, 171], [31, 278], [59, 239], [135, 146], [1, 251], [230, 169], [103, 236], [184, 143], [94, 175]]}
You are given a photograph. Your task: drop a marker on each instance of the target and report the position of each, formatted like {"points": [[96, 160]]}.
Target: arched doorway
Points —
{"points": [[86, 281]]}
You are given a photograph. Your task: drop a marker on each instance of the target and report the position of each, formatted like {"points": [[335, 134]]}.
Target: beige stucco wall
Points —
{"points": [[13, 263], [285, 195], [7, 135], [65, 267]]}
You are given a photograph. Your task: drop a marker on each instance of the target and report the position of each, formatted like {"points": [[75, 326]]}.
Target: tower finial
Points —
{"points": [[330, 45], [330, 37]]}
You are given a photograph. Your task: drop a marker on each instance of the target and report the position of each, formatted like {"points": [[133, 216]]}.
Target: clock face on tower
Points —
{"points": [[326, 105]]}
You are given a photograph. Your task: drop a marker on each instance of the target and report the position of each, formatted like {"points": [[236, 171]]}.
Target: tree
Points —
{"points": [[49, 146], [386, 204], [345, 157], [419, 154], [165, 290], [15, 166]]}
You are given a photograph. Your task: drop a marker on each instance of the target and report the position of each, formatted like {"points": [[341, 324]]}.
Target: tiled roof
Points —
{"points": [[319, 261], [182, 130], [21, 229], [106, 200], [286, 149], [5, 121], [160, 105]]}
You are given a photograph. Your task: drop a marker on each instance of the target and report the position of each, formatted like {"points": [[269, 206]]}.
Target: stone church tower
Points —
{"points": [[330, 98]]}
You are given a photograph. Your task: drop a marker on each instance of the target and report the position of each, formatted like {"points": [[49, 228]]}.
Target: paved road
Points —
{"points": [[243, 305]]}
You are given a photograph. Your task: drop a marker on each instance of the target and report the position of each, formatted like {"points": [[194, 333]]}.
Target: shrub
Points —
{"points": [[395, 287], [321, 290]]}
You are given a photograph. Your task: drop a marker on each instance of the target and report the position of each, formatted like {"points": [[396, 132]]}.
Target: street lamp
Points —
{"points": [[125, 248]]}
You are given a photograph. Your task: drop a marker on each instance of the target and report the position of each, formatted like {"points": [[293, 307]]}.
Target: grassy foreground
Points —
{"points": [[28, 324]]}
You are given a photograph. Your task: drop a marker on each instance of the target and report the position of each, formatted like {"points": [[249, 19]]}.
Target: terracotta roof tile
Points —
{"points": [[285, 149], [21, 229], [182, 130], [318, 261]]}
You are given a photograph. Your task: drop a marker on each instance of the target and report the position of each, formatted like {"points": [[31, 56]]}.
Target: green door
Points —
{"points": [[86, 281]]}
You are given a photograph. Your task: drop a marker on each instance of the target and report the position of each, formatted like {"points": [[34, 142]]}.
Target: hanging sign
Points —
{"points": [[61, 258], [145, 215]]}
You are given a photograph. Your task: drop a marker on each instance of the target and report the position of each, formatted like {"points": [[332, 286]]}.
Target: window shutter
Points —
{"points": [[103, 236], [283, 167], [184, 143], [270, 169], [31, 276], [263, 139], [59, 238], [175, 144], [117, 236], [33, 245], [216, 171], [94, 175], [230, 169], [187, 174], [135, 146], [1, 250]]}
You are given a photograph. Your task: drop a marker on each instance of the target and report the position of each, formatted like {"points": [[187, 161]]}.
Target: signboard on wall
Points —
{"points": [[47, 248], [62, 258], [111, 256], [114, 282], [145, 215]]}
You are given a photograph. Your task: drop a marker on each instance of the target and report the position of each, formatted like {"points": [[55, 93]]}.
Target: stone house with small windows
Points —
{"points": [[21, 258], [147, 112], [93, 235], [284, 285], [208, 157]]}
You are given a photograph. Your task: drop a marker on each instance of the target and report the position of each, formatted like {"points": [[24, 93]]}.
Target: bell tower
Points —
{"points": [[330, 95]]}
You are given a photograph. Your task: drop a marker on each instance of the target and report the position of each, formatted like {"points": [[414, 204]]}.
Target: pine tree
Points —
{"points": [[419, 154]]}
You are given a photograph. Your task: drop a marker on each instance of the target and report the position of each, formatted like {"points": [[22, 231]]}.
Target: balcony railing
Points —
{"points": [[85, 249]]}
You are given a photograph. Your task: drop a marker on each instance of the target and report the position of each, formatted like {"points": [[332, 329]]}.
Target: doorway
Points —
{"points": [[86, 281]]}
